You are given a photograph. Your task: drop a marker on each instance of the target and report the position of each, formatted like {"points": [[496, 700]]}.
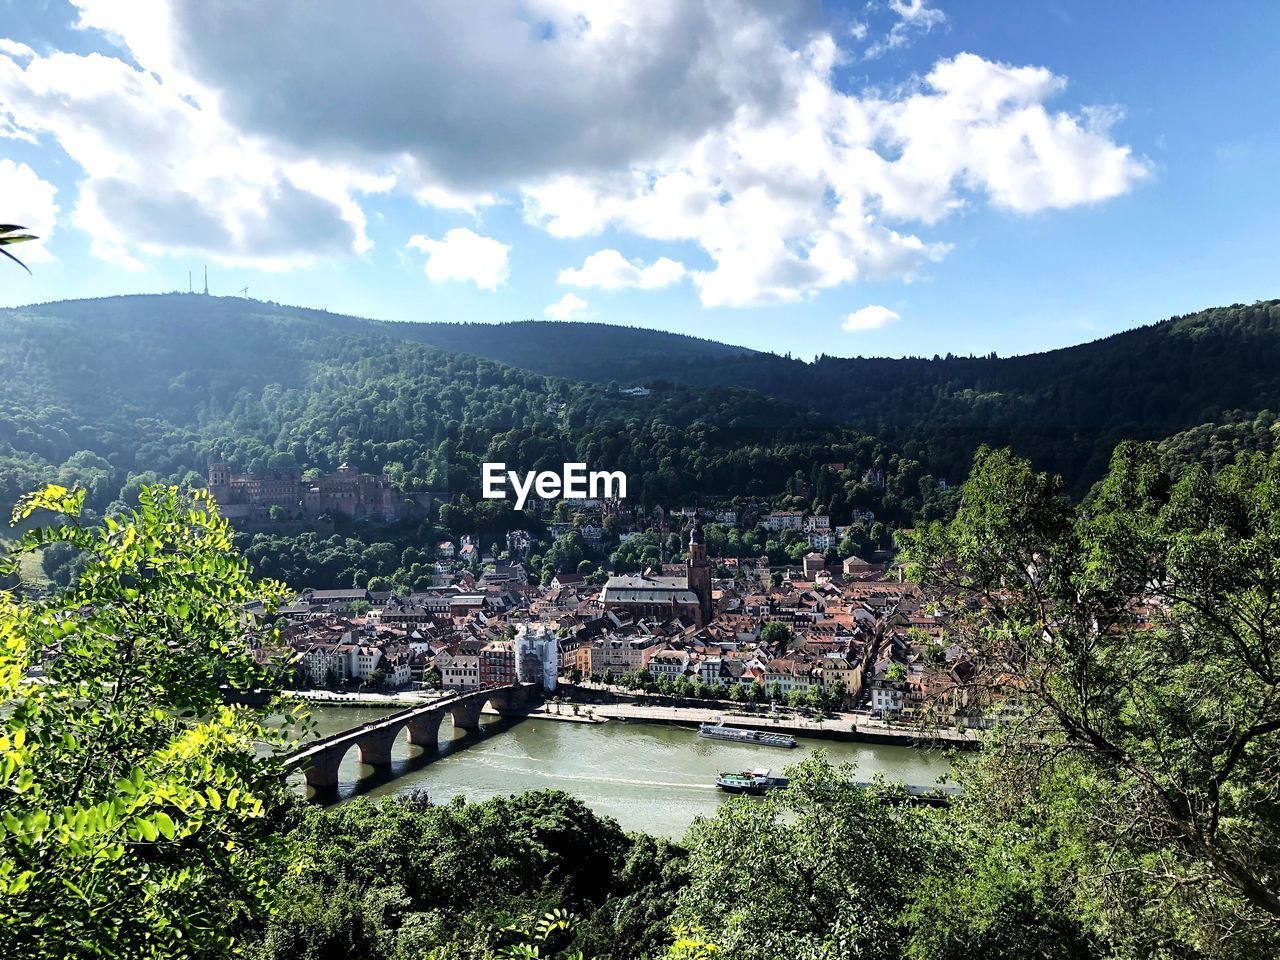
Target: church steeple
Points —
{"points": [[699, 571]]}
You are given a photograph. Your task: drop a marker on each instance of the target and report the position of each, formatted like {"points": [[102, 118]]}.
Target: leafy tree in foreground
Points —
{"points": [[134, 801], [821, 869], [1142, 633]]}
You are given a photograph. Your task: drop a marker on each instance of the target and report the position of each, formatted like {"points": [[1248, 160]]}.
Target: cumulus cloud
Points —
{"points": [[568, 307], [29, 202], [464, 255], [609, 270], [871, 317], [712, 122], [164, 175]]}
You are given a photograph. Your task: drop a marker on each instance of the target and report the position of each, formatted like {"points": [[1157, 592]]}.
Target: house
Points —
{"points": [[789, 673], [836, 668], [622, 654], [497, 663], [670, 664], [445, 550], [857, 567], [823, 540], [459, 671], [887, 697], [711, 670], [819, 522], [814, 564], [781, 520]]}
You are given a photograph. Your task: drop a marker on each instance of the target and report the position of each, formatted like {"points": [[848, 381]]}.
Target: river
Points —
{"points": [[647, 776]]}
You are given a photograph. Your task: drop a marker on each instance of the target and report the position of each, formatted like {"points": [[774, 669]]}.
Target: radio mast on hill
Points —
{"points": [[206, 280]]}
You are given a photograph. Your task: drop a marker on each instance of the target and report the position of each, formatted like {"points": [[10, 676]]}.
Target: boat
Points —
{"points": [[718, 731], [752, 782]]}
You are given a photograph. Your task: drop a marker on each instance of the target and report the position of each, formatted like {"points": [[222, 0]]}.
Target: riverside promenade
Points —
{"points": [[841, 726]]}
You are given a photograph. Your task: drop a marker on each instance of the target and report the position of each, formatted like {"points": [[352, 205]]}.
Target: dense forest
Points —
{"points": [[114, 393], [1065, 409]]}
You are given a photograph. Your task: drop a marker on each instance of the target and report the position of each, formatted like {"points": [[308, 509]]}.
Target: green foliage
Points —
{"points": [[135, 803], [11, 234], [1140, 632], [402, 879], [821, 869], [776, 633]]}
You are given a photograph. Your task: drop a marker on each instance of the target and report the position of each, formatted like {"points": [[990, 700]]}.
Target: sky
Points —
{"points": [[889, 178]]}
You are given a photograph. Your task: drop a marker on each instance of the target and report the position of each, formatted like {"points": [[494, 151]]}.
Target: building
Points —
{"points": [[822, 540], [814, 564], [459, 671], [669, 664], [645, 596], [346, 491], [537, 657], [497, 664], [781, 520], [621, 654]]}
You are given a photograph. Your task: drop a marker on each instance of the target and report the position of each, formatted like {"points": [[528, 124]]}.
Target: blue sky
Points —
{"points": [[890, 178]]}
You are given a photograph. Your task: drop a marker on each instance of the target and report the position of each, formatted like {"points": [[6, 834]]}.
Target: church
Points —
{"points": [[647, 596]]}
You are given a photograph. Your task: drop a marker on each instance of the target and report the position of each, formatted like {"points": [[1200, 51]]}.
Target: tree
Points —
{"points": [[11, 234], [776, 634], [135, 807], [820, 869], [1140, 630]]}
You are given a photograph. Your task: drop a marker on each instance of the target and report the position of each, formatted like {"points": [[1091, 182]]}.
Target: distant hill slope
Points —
{"points": [[110, 391], [572, 349], [1066, 409]]}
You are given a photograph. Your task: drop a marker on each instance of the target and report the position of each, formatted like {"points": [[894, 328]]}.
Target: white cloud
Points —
{"points": [[871, 317], [791, 204], [609, 270], [712, 122], [465, 255], [914, 16], [164, 174], [29, 202], [568, 307]]}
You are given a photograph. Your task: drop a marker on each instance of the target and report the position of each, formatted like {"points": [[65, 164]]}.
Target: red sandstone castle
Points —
{"points": [[360, 496]]}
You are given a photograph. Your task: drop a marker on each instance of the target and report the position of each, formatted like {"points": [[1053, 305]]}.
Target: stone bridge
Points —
{"points": [[320, 759]]}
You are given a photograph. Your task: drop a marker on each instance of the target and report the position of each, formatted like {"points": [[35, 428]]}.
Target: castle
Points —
{"points": [[346, 492], [645, 595]]}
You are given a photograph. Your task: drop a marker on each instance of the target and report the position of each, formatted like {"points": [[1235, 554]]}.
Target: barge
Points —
{"points": [[718, 731], [752, 782]]}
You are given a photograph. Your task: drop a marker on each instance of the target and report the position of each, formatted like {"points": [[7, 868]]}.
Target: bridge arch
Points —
{"points": [[375, 741]]}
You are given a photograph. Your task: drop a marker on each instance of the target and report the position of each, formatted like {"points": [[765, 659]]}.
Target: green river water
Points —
{"points": [[649, 777]]}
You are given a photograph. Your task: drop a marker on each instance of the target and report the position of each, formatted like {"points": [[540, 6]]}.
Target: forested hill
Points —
{"points": [[116, 391], [1066, 409], [579, 351]]}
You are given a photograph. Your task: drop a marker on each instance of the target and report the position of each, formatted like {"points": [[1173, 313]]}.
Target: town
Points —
{"points": [[815, 637]]}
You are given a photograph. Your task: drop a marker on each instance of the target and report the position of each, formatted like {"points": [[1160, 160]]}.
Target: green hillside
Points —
{"points": [[115, 392], [1066, 409]]}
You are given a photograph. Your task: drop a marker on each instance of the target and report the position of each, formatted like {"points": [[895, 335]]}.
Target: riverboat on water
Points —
{"points": [[718, 731], [753, 782]]}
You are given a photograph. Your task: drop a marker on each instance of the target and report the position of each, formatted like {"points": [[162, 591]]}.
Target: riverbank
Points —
{"points": [[841, 726]]}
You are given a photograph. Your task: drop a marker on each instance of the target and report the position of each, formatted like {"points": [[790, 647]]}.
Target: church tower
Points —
{"points": [[700, 571]]}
